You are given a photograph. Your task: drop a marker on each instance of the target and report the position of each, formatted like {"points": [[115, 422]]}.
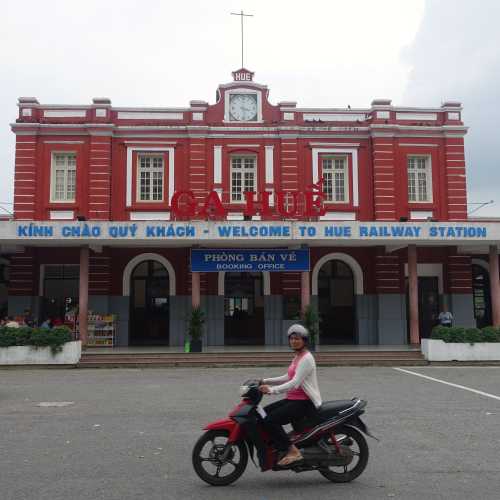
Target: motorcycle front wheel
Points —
{"points": [[216, 462], [352, 438]]}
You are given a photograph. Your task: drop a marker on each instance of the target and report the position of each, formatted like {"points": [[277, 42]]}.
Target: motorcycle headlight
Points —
{"points": [[243, 390]]}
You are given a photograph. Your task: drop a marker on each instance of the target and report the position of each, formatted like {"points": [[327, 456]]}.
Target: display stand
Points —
{"points": [[101, 330]]}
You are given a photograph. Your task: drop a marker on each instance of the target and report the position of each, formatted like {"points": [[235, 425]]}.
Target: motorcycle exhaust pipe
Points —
{"points": [[317, 458]]}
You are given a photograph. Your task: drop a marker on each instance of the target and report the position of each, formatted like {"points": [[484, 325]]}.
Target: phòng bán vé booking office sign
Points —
{"points": [[215, 260]]}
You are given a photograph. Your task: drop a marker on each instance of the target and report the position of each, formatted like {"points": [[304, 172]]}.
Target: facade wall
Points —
{"points": [[102, 175], [198, 141], [381, 310]]}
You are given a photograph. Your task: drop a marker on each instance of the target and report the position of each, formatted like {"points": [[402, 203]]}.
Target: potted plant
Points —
{"points": [[310, 319], [195, 329]]}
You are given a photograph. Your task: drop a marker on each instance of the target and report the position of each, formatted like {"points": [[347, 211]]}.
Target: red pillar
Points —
{"points": [[305, 291], [413, 294], [494, 285], [83, 299], [195, 290]]}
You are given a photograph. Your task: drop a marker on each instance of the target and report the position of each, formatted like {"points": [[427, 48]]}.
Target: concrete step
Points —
{"points": [[233, 359], [350, 358], [284, 355]]}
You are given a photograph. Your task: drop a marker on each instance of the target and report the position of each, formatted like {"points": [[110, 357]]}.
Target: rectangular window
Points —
{"points": [[63, 177], [419, 179], [335, 179], [243, 176], [150, 177]]}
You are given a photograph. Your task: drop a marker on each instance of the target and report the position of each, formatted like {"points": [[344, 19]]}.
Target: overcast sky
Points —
{"points": [[318, 53]]}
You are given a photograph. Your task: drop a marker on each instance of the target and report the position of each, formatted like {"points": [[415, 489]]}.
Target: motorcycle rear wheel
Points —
{"points": [[342, 474], [236, 458]]}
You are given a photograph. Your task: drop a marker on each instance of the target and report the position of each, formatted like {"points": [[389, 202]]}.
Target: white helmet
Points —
{"points": [[298, 329]]}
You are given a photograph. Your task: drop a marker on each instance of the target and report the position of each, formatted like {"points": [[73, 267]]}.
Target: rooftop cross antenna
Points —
{"points": [[242, 15]]}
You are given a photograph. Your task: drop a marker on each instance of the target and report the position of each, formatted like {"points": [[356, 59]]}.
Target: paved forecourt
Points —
{"points": [[128, 434]]}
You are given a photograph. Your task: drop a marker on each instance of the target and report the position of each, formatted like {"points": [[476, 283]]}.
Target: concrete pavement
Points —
{"points": [[128, 434]]}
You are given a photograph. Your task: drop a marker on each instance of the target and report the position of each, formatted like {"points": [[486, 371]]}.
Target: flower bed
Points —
{"points": [[20, 346], [462, 344]]}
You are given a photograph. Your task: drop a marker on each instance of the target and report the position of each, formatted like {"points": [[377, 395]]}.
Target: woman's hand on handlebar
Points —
{"points": [[265, 389]]}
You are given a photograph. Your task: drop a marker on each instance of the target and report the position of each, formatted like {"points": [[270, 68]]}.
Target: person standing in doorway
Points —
{"points": [[445, 317]]}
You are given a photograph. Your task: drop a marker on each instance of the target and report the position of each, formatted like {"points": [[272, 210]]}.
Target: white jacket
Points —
{"points": [[305, 377]]}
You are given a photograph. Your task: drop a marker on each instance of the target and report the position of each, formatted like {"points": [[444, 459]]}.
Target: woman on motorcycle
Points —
{"points": [[302, 394]]}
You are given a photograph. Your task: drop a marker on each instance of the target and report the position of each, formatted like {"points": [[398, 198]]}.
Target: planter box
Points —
{"points": [[27, 355], [438, 350]]}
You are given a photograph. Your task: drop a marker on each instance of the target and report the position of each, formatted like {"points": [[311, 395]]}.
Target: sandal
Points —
{"points": [[285, 461]]}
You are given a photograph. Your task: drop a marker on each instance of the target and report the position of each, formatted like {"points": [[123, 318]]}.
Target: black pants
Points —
{"points": [[284, 412]]}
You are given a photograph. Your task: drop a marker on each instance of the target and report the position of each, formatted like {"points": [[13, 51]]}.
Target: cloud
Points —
{"points": [[455, 56]]}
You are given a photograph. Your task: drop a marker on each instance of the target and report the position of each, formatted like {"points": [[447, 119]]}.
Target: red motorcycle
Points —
{"points": [[330, 441]]}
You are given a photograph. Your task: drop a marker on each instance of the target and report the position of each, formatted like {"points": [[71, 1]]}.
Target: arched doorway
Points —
{"points": [[481, 295], [149, 304], [336, 303], [244, 309]]}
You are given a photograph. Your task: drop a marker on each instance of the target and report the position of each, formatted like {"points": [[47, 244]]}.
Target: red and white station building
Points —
{"points": [[110, 201]]}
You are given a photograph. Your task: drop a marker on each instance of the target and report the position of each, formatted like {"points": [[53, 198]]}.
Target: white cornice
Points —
{"points": [[62, 125], [145, 110], [378, 130], [298, 128], [57, 106], [437, 128], [332, 144], [368, 110], [242, 84], [326, 110]]}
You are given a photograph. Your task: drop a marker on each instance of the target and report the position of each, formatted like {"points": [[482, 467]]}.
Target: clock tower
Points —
{"points": [[243, 98]]}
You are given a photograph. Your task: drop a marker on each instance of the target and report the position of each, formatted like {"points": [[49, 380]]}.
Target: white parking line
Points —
{"points": [[481, 393]]}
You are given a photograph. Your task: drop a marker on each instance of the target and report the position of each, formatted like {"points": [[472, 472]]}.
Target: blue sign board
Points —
{"points": [[214, 260]]}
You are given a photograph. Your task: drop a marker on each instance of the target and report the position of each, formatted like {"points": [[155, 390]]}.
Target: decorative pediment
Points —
{"points": [[243, 75]]}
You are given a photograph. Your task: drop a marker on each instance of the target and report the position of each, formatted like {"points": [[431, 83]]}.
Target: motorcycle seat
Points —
{"points": [[330, 409]]}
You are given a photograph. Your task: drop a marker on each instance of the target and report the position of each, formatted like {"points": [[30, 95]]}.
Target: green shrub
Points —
{"points": [[36, 337], [473, 335], [459, 334], [438, 332], [23, 335], [8, 337], [491, 334]]}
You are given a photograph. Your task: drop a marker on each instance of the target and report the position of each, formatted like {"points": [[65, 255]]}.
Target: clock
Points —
{"points": [[243, 107]]}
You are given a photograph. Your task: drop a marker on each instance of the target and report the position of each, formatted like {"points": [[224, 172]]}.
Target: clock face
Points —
{"points": [[243, 107]]}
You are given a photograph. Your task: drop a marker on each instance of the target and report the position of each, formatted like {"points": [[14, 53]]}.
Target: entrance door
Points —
{"points": [[428, 305], [149, 304], [244, 309], [482, 296], [336, 303], [60, 291]]}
